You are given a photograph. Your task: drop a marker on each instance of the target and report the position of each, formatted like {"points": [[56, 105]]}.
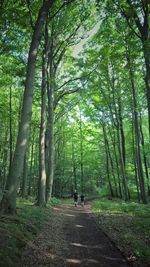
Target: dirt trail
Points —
{"points": [[72, 238]]}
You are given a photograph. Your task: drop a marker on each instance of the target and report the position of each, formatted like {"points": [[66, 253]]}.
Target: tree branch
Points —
{"points": [[30, 14], [78, 78]]}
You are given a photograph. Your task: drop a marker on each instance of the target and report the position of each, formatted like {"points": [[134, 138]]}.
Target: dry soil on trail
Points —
{"points": [[72, 238]]}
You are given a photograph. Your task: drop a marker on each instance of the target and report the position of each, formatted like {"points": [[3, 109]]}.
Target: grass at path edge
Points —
{"points": [[128, 225], [16, 231]]}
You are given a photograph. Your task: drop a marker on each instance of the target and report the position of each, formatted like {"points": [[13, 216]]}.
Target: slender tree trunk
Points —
{"points": [[107, 161], [144, 157], [5, 157], [117, 164], [81, 155], [8, 203], [121, 145], [112, 167], [120, 133], [50, 91], [42, 163], [122, 137], [31, 164], [136, 126], [134, 158], [74, 164], [10, 129]]}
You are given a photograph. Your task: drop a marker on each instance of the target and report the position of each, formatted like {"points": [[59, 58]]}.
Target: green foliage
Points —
{"points": [[54, 201]]}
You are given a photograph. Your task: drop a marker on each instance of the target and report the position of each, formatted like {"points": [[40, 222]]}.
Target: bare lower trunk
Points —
{"points": [[24, 178], [107, 161]]}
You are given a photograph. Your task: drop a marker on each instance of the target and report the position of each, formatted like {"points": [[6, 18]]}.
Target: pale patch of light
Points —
{"points": [[23, 143], [43, 175], [77, 244], [80, 226], [75, 261], [69, 215], [90, 138], [71, 120], [86, 246], [79, 47], [34, 52]]}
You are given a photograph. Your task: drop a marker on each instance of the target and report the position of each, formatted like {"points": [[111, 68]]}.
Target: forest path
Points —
{"points": [[72, 238]]}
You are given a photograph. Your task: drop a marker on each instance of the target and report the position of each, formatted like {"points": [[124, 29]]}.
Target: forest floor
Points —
{"points": [[72, 237]]}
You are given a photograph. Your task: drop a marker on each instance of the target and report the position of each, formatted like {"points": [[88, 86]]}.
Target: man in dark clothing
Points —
{"points": [[75, 196]]}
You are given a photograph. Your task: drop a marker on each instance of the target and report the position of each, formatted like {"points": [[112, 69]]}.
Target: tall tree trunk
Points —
{"points": [[42, 163], [107, 161], [50, 91], [112, 167], [134, 158], [81, 155], [31, 164], [74, 164], [5, 157], [10, 129], [117, 164], [136, 127], [121, 142], [8, 203], [144, 157]]}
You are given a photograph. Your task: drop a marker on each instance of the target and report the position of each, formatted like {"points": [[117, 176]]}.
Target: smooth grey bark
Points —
{"points": [[8, 203], [31, 164], [50, 172], [42, 153], [24, 177], [50, 93]]}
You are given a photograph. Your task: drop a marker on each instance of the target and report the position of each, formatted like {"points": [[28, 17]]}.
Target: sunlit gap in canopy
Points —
{"points": [[87, 36]]}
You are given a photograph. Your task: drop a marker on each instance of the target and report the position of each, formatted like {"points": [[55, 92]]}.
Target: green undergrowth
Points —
{"points": [[128, 225], [16, 231], [54, 201]]}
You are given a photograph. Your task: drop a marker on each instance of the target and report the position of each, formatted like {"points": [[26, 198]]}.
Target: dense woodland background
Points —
{"points": [[89, 100]]}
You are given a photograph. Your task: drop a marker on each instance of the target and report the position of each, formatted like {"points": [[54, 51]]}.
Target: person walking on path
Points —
{"points": [[75, 196], [82, 199]]}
